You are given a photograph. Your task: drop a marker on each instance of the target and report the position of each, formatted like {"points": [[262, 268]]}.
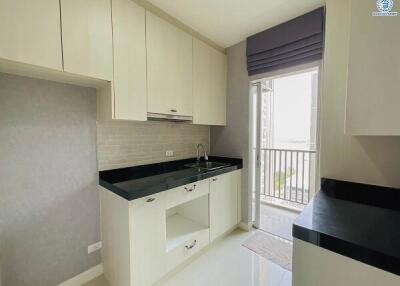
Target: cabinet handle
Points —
{"points": [[150, 200], [191, 189], [188, 247], [214, 179], [174, 110]]}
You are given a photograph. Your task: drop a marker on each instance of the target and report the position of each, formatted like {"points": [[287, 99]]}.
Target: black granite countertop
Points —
{"points": [[355, 220], [141, 181]]}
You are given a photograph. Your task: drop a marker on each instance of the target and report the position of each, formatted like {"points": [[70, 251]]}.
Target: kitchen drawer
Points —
{"points": [[187, 249], [186, 193], [149, 201]]}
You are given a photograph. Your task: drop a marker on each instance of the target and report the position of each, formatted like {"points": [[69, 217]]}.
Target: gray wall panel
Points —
{"points": [[49, 206]]}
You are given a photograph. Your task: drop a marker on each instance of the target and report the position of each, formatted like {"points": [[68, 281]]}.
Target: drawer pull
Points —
{"points": [[174, 110], [188, 247], [214, 179], [150, 200], [191, 189]]}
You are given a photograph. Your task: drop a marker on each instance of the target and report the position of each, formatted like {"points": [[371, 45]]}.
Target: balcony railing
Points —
{"points": [[288, 175]]}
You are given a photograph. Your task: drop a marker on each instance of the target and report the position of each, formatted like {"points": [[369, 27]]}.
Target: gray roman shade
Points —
{"points": [[295, 42]]}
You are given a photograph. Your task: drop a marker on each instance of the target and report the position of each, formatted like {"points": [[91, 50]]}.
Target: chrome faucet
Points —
{"points": [[198, 153]]}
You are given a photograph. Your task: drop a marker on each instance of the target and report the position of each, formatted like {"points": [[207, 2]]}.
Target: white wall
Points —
{"points": [[373, 160]]}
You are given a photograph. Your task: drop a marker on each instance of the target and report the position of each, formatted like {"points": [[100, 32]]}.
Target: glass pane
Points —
{"points": [[293, 112]]}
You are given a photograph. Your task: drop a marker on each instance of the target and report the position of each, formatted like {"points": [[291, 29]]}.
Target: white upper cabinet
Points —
{"points": [[169, 68], [30, 32], [87, 38], [129, 38], [209, 85], [373, 98]]}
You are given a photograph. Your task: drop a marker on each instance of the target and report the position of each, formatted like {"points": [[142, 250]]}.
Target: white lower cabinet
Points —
{"points": [[145, 239], [133, 236], [223, 203]]}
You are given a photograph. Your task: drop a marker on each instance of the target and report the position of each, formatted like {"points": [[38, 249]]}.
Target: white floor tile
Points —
{"points": [[227, 263], [277, 221]]}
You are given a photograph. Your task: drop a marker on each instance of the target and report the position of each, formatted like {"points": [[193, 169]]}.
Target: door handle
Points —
{"points": [[188, 247], [191, 189], [149, 200]]}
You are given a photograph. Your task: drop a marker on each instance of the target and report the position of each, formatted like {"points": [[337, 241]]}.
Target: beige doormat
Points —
{"points": [[271, 247]]}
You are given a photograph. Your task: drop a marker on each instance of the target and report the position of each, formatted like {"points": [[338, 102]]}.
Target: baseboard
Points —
{"points": [[84, 277], [246, 226]]}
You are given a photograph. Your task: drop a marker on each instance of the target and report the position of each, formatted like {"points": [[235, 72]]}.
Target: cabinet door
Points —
{"points": [[223, 204], [373, 72], [30, 32], [148, 234], [169, 68], [315, 266], [87, 37], [209, 85], [130, 95]]}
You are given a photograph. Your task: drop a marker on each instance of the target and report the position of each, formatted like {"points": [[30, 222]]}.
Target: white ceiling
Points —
{"points": [[228, 22]]}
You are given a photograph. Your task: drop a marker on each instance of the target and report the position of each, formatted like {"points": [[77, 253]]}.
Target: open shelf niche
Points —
{"points": [[184, 221]]}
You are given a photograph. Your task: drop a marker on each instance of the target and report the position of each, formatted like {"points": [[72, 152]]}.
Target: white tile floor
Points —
{"points": [[277, 221], [227, 263]]}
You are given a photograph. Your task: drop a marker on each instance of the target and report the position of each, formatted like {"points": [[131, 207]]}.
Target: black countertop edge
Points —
{"points": [[348, 249], [384, 197], [179, 176], [355, 220], [142, 171]]}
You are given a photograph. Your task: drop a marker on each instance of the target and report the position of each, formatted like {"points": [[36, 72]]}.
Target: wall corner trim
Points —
{"points": [[84, 277]]}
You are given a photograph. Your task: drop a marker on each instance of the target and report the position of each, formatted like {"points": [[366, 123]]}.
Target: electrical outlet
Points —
{"points": [[169, 153], [94, 247]]}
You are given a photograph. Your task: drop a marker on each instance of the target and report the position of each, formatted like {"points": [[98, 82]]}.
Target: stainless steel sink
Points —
{"points": [[207, 165]]}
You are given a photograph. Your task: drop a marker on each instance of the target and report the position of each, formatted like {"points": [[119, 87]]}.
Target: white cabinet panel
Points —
{"points": [[374, 72], [30, 32], [148, 239], [182, 194], [87, 37], [315, 266], [223, 204], [238, 179], [129, 39], [209, 85], [169, 68]]}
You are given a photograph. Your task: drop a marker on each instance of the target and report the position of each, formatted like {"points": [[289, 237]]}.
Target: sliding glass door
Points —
{"points": [[284, 140]]}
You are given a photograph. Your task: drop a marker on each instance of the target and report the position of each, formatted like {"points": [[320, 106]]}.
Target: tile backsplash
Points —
{"points": [[123, 144]]}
